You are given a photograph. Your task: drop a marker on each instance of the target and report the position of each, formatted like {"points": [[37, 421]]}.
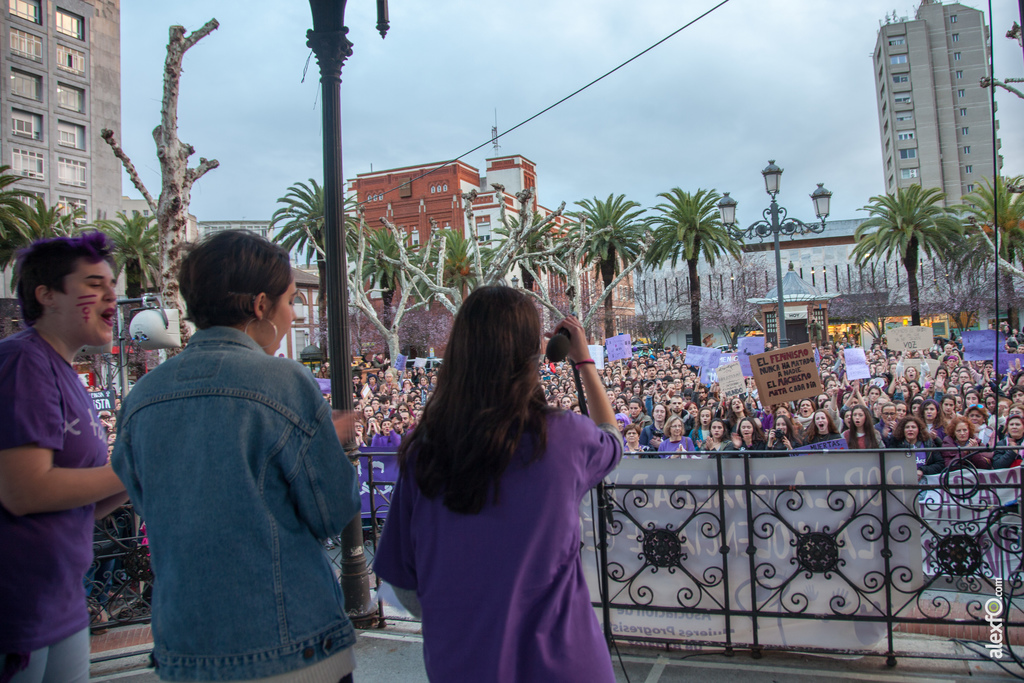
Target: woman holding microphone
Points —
{"points": [[483, 534]]}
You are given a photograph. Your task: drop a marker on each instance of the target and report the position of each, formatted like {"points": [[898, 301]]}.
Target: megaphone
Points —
{"points": [[156, 328]]}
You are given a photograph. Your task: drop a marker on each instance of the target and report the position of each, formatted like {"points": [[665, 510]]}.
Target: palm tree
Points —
{"points": [[382, 274], [136, 249], [906, 224], [616, 237], [980, 207], [37, 221], [689, 226], [11, 203]]}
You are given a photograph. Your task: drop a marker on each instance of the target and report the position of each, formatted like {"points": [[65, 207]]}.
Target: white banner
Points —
{"points": [[818, 552]]}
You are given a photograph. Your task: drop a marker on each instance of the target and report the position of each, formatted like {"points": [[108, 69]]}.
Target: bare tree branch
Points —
{"points": [[129, 167]]}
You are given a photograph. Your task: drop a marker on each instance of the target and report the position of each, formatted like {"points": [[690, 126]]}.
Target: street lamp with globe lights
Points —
{"points": [[775, 222]]}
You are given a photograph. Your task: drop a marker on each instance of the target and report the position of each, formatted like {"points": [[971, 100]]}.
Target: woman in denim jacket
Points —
{"points": [[231, 458]]}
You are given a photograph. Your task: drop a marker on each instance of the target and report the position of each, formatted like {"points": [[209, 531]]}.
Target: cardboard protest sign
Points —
{"points": [[836, 444], [747, 347], [856, 364], [787, 374], [702, 356], [619, 347], [730, 379], [914, 338], [933, 365], [597, 353], [981, 344]]}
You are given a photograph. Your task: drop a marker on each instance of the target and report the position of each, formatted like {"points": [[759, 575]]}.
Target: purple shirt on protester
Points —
{"points": [[45, 555], [669, 447], [387, 442], [503, 592]]}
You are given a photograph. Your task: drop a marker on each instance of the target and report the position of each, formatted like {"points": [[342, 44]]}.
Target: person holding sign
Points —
{"points": [[493, 473]]}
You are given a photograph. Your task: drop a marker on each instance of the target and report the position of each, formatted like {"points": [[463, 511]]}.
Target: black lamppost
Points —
{"points": [[329, 41], [776, 222]]}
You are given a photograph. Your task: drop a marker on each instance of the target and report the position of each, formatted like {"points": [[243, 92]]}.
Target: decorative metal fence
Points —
{"points": [[832, 553]]}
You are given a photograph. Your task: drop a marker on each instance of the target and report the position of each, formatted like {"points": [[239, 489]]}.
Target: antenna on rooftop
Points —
{"points": [[494, 134]]}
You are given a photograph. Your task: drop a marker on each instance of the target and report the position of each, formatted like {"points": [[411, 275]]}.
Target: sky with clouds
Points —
{"points": [[789, 80]]}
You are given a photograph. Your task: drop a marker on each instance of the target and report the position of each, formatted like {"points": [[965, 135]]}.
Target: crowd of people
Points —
{"points": [[960, 410]]}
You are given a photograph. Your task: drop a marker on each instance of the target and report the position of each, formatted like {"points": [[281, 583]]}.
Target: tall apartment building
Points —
{"points": [[934, 117], [61, 86]]}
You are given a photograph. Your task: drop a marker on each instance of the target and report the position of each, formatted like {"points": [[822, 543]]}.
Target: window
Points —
{"points": [[952, 18], [414, 237], [963, 111], [27, 163], [70, 24], [26, 85], [433, 189], [956, 37], [70, 98], [898, 59], [906, 135], [26, 45], [71, 172], [907, 173], [902, 99], [898, 40], [970, 187], [968, 169], [961, 93], [444, 188], [905, 116], [900, 78], [26, 124], [967, 149], [69, 204], [956, 56], [483, 231], [908, 153], [26, 9], [965, 130], [70, 59], [70, 135], [959, 73]]}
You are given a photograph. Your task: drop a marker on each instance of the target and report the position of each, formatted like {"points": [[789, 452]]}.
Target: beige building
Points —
{"points": [[934, 117], [61, 86]]}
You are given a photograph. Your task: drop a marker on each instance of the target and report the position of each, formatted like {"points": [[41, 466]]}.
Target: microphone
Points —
{"points": [[558, 346]]}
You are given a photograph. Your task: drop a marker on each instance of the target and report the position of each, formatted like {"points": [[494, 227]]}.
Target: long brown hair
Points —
{"points": [[488, 397]]}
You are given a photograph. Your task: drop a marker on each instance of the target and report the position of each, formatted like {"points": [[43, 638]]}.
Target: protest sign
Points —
{"points": [[400, 361], [914, 338], [420, 363], [787, 374], [933, 365], [702, 356], [1008, 362], [749, 346], [981, 344], [597, 353], [730, 379], [836, 444], [385, 474], [856, 364], [619, 347], [365, 392], [103, 400], [709, 375]]}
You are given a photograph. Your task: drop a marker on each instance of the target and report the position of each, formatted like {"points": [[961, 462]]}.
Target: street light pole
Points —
{"points": [[329, 41], [776, 222]]}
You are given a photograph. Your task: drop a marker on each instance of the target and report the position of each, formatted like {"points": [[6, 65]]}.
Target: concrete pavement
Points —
{"points": [[395, 655]]}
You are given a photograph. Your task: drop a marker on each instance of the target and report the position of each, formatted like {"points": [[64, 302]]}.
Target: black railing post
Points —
{"points": [[604, 506]]}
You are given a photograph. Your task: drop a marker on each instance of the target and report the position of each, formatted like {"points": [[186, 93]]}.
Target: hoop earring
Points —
{"points": [[245, 330]]}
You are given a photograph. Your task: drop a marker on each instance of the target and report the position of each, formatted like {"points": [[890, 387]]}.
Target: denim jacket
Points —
{"points": [[231, 458]]}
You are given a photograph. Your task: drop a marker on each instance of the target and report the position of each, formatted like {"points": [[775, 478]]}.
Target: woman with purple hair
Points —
{"points": [[54, 476]]}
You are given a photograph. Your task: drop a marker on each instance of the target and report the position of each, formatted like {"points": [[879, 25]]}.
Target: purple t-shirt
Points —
{"points": [[45, 555], [502, 591], [669, 447]]}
